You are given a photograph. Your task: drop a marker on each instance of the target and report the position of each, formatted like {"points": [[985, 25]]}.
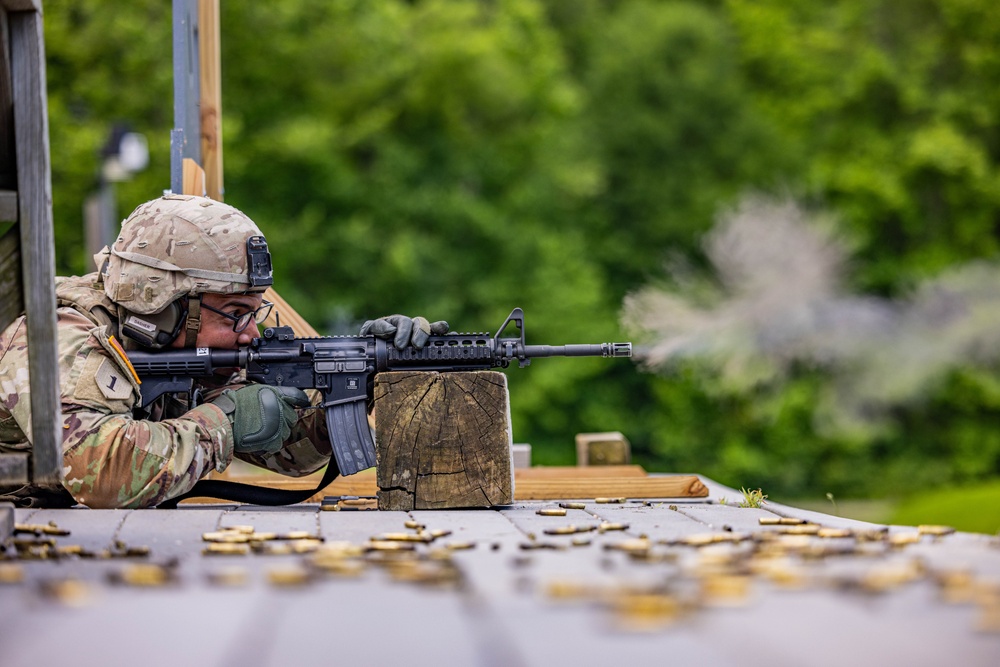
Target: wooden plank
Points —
{"points": [[209, 62], [12, 304], [554, 483], [674, 486], [193, 178], [34, 186], [289, 316], [14, 468]]}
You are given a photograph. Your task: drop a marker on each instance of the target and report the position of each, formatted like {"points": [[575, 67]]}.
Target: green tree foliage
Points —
{"points": [[459, 158]]}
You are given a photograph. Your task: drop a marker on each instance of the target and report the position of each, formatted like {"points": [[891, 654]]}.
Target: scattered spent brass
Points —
{"points": [[403, 537], [440, 532], [580, 541], [957, 586], [937, 531], [330, 508], [226, 549], [70, 592], [11, 573], [238, 529], [902, 539], [726, 588], [571, 529], [570, 590], [460, 546], [124, 551], [226, 536], [40, 529], [550, 511], [341, 567], [769, 520], [69, 550], [528, 546], [629, 546], [607, 526], [143, 575], [672, 507], [606, 501], [989, 619], [293, 535], [386, 545], [698, 539], [645, 611], [835, 532], [33, 543], [233, 576], [293, 576], [887, 577], [573, 506], [800, 529], [414, 525], [264, 537], [340, 550]]}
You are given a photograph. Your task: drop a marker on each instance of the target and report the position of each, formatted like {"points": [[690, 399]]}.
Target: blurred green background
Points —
{"points": [[459, 158]]}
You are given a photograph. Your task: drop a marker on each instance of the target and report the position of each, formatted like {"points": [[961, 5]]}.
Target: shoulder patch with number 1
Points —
{"points": [[112, 381]]}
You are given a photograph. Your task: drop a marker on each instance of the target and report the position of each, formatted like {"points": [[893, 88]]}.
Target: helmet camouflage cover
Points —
{"points": [[184, 245]]}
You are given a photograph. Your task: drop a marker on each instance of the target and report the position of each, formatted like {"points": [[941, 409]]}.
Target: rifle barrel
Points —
{"points": [[595, 350]]}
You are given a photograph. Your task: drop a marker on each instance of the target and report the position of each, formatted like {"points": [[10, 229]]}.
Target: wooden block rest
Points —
{"points": [[442, 440], [603, 449]]}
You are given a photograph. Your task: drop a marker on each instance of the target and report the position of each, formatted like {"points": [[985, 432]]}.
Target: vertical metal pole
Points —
{"points": [[185, 137]]}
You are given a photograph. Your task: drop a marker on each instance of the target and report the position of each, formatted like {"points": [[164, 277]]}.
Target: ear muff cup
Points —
{"points": [[155, 330]]}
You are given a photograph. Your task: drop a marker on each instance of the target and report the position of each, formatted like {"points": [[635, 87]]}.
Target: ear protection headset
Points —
{"points": [[155, 330]]}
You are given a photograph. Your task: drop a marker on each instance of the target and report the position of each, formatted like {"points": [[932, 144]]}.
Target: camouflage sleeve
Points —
{"points": [[306, 450], [110, 458]]}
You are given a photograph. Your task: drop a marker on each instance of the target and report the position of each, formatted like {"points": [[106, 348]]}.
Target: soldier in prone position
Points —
{"points": [[184, 272]]}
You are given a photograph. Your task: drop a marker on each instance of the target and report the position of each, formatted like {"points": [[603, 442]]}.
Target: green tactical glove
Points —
{"points": [[404, 330], [262, 415]]}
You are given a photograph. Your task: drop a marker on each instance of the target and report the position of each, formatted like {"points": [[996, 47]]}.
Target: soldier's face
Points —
{"points": [[216, 330]]}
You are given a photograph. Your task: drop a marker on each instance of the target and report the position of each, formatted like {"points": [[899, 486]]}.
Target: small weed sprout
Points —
{"points": [[721, 500], [753, 498], [829, 496]]}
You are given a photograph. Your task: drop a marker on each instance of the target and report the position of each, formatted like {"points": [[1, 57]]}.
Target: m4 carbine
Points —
{"points": [[341, 367]]}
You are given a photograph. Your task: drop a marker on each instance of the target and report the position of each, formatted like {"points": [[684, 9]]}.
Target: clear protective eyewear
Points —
{"points": [[241, 322]]}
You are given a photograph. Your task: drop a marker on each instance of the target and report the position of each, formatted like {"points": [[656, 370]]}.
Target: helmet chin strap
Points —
{"points": [[193, 323]]}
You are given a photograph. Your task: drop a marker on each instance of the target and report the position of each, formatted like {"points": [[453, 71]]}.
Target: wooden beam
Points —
{"points": [[34, 186], [541, 483], [209, 62], [22, 5]]}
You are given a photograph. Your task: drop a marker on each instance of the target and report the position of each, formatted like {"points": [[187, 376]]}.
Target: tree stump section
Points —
{"points": [[442, 440]]}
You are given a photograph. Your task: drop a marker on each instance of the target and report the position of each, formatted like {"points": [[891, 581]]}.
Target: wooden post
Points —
{"points": [[602, 449], [34, 188], [442, 440], [210, 66]]}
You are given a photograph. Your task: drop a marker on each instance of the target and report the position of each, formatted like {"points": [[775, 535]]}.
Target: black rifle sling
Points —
{"points": [[250, 494]]}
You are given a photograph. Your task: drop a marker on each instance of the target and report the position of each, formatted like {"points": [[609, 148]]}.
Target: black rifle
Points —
{"points": [[340, 368]]}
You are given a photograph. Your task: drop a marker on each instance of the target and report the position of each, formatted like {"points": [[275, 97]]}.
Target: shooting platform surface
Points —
{"points": [[638, 582]]}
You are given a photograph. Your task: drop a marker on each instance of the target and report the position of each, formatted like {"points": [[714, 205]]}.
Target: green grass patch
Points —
{"points": [[973, 509]]}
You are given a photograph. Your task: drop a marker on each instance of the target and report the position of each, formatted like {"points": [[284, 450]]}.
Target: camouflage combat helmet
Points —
{"points": [[181, 245], [171, 251]]}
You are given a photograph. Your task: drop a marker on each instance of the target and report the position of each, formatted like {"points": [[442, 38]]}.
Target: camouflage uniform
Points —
{"points": [[113, 455]]}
